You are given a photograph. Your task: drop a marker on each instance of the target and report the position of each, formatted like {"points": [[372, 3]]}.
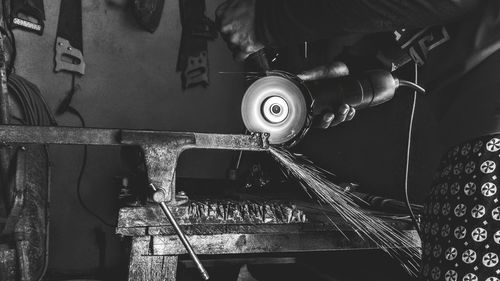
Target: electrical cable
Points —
{"points": [[33, 106], [414, 86], [408, 153], [82, 173], [66, 107]]}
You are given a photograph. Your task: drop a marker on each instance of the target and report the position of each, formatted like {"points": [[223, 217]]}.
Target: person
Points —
{"points": [[456, 44]]}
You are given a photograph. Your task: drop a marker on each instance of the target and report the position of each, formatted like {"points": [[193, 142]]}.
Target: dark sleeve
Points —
{"points": [[285, 22]]}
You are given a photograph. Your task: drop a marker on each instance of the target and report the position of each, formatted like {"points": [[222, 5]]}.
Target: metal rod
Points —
{"points": [[238, 162], [182, 236], [184, 241]]}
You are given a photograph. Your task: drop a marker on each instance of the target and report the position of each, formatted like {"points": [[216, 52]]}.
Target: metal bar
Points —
{"points": [[254, 142], [58, 135], [184, 241], [182, 237], [99, 136]]}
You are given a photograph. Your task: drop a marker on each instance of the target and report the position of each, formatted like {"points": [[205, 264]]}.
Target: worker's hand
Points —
{"points": [[333, 70], [236, 22]]}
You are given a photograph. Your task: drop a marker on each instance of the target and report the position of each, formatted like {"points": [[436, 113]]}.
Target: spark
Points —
{"points": [[316, 181]]}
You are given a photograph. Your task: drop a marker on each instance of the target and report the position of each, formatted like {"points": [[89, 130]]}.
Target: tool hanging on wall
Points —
{"points": [[197, 29], [28, 15], [148, 13], [69, 40]]}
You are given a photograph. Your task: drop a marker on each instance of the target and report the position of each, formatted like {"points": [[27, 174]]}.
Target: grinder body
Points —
{"points": [[366, 90], [285, 107], [282, 105]]}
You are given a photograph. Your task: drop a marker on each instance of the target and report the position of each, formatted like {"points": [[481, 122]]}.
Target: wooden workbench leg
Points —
{"points": [[144, 267]]}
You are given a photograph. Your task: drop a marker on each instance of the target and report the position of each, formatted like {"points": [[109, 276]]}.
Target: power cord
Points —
{"points": [[66, 107], [408, 154], [34, 107]]}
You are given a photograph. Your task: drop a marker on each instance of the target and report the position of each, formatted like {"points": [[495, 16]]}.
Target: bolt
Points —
{"points": [[159, 196], [276, 109]]}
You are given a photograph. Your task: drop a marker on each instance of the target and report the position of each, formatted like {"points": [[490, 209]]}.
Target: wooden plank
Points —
{"points": [[222, 216], [210, 229], [265, 243], [139, 247], [145, 267], [214, 212], [132, 231], [155, 268], [8, 265], [243, 228]]}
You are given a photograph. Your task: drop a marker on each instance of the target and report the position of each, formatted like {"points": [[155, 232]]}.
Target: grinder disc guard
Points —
{"points": [[278, 104]]}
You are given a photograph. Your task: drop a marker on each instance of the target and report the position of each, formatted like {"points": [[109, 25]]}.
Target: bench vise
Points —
{"points": [[161, 148], [161, 152]]}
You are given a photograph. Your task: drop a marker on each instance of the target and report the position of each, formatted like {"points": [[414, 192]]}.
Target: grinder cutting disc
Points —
{"points": [[278, 106]]}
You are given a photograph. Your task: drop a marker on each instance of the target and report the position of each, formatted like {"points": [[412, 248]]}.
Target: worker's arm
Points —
{"points": [[248, 25], [285, 22]]}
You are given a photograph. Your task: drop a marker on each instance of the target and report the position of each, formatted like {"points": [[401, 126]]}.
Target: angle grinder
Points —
{"points": [[281, 104]]}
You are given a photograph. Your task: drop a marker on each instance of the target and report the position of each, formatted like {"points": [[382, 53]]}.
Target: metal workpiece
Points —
{"points": [[188, 140], [252, 142], [102, 136]]}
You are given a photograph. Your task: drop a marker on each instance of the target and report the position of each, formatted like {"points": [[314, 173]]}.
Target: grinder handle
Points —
{"points": [[369, 89]]}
